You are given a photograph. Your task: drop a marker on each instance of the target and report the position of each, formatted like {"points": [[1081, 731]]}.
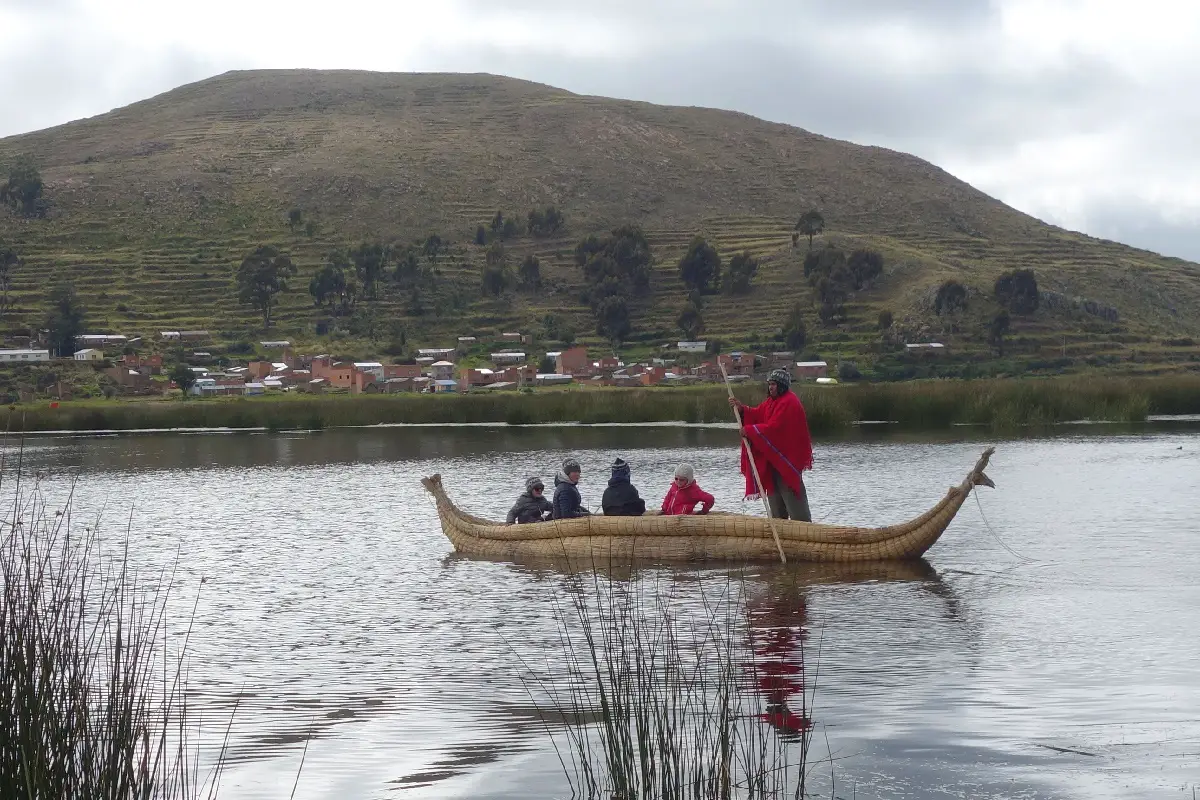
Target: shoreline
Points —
{"points": [[917, 405]]}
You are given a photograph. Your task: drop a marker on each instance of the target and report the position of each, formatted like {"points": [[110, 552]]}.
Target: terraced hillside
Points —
{"points": [[152, 207]]}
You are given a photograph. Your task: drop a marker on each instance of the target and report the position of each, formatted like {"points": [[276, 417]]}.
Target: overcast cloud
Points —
{"points": [[1081, 112]]}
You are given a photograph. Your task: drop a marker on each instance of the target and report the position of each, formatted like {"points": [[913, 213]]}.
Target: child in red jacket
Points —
{"points": [[684, 494]]}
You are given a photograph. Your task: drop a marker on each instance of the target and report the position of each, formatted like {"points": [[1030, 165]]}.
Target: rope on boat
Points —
{"points": [[995, 535]]}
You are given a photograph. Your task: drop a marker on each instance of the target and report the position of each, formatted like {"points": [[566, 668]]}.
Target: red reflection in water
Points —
{"points": [[777, 641]]}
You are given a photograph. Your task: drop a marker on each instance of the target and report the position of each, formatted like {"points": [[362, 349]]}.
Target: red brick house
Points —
{"points": [[571, 362]]}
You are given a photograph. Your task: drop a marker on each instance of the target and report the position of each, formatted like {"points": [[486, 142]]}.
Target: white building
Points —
{"points": [[692, 347], [89, 354], [24, 356], [507, 357], [373, 367]]}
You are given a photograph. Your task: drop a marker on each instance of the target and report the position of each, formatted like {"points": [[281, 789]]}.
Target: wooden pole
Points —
{"points": [[737, 414]]}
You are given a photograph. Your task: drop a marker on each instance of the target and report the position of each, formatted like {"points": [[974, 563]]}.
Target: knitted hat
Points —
{"points": [[534, 483], [620, 469], [571, 465], [686, 472], [781, 377]]}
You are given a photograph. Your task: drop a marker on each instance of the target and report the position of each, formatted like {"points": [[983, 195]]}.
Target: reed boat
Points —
{"points": [[709, 537]]}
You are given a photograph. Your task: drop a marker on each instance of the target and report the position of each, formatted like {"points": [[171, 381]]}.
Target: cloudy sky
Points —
{"points": [[1085, 113]]}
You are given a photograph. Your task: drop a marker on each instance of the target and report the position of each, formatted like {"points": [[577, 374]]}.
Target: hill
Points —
{"points": [[152, 207]]}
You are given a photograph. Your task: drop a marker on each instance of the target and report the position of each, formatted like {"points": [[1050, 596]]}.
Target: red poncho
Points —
{"points": [[778, 432]]}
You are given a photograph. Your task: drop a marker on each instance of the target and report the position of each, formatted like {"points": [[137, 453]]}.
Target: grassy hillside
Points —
{"points": [[152, 207]]}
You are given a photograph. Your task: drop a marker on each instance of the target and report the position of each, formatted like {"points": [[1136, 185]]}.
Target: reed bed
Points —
{"points": [[1000, 403], [92, 700], [661, 701]]}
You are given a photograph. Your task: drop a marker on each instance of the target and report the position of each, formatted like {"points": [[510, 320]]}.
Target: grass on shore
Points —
{"points": [[916, 405]]}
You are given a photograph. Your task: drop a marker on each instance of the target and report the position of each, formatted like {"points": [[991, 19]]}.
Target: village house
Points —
{"points": [[571, 361], [507, 357], [129, 379], [436, 353], [361, 382], [340, 375], [100, 340], [780, 360], [276, 345], [810, 370], [513, 336], [151, 364], [475, 378], [89, 354], [391, 371], [442, 370], [552, 379], [692, 347], [440, 387], [24, 356], [374, 368]]}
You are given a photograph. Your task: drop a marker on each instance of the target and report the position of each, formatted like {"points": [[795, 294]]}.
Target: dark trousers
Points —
{"points": [[786, 504]]}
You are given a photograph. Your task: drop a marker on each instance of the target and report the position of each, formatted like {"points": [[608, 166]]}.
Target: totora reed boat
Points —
{"points": [[709, 537]]}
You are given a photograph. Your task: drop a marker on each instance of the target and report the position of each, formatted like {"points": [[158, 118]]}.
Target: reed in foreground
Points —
{"points": [[664, 701], [92, 701]]}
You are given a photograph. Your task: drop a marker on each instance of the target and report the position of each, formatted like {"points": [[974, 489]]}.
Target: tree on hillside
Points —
{"points": [[334, 284], [262, 275], [950, 299], [700, 266], [810, 224], [434, 247], [183, 376], [295, 218], [544, 222], [794, 332], [612, 319], [1018, 291], [997, 329], [495, 275], [690, 322], [481, 236], [742, 269], [10, 263], [615, 269], [65, 319], [370, 262], [23, 189], [530, 273], [824, 263], [408, 266], [864, 266], [885, 320]]}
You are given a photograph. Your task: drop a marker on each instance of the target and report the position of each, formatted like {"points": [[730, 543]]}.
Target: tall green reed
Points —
{"points": [[916, 405], [662, 697], [92, 695]]}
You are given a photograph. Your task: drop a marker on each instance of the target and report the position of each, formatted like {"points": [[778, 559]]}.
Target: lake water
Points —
{"points": [[1046, 647]]}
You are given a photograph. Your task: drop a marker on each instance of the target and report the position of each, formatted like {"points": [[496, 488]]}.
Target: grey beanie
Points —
{"points": [[534, 483], [571, 465], [686, 472], [781, 377]]}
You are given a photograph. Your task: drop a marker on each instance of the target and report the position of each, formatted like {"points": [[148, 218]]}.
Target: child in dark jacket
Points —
{"points": [[684, 494], [567, 502], [532, 506], [621, 498]]}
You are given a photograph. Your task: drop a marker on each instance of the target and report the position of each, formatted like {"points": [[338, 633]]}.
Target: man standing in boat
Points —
{"points": [[776, 431]]}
